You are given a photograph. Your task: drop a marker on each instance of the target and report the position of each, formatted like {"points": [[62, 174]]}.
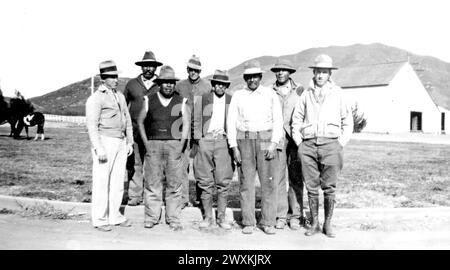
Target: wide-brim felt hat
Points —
{"points": [[108, 68], [252, 67], [194, 63], [166, 74], [148, 60], [323, 61], [283, 64], [220, 76]]}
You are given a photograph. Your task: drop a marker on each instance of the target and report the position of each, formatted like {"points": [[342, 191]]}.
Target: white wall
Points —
{"points": [[388, 108], [410, 95]]}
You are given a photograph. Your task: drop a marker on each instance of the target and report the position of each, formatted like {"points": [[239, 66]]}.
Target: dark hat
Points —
{"points": [[194, 62], [108, 68], [252, 67], [323, 61], [166, 73], [283, 64], [148, 60], [220, 76]]}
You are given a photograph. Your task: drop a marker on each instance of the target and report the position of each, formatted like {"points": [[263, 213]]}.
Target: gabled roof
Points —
{"points": [[358, 76]]}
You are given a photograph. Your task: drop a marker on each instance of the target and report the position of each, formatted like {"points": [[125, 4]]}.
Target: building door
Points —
{"points": [[443, 123], [416, 121]]}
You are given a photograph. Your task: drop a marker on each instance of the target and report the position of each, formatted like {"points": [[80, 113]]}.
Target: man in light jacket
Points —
{"points": [[321, 126]]}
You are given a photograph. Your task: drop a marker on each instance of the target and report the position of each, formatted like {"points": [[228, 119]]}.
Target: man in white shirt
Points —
{"points": [[255, 127], [213, 165]]}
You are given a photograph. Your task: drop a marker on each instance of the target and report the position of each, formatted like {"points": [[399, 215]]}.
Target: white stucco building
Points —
{"points": [[392, 98]]}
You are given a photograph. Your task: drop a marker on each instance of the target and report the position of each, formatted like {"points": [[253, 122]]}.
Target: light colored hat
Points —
{"points": [[148, 60], [166, 73], [252, 67], [194, 62], [323, 61], [108, 68], [283, 64], [220, 76]]}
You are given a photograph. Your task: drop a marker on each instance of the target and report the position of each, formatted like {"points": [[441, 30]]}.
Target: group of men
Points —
{"points": [[284, 134]]}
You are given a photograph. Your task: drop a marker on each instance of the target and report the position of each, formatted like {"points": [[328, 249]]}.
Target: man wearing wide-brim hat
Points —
{"points": [[161, 118], [290, 184], [134, 92], [321, 126], [111, 134], [189, 88], [213, 165], [255, 128]]}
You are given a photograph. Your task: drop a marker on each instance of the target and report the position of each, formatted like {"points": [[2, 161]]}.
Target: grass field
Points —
{"points": [[375, 174]]}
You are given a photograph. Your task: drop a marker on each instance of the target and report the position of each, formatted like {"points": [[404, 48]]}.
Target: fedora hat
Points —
{"points": [[194, 62], [148, 60], [108, 68], [166, 73], [220, 76], [283, 64], [323, 61], [252, 67]]}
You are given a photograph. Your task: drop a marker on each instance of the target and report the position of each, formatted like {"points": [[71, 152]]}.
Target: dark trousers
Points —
{"points": [[289, 196], [213, 167], [254, 161], [321, 164], [164, 162]]}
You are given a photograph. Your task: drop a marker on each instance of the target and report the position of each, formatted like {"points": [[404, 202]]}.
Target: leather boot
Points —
{"points": [[207, 207], [222, 202], [328, 207], [314, 209]]}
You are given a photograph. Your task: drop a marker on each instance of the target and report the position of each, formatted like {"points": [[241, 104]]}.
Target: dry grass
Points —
{"points": [[375, 174]]}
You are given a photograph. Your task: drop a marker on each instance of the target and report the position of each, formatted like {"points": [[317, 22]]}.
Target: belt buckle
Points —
{"points": [[246, 134]]}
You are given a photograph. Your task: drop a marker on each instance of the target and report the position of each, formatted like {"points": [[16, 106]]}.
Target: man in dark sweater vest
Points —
{"points": [[160, 121], [134, 92], [213, 165]]}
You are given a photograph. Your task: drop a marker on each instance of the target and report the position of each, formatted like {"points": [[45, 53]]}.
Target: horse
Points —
{"points": [[14, 112], [31, 120]]}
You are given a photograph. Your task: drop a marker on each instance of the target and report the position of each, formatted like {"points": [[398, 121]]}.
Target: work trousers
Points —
{"points": [[107, 182], [290, 182], [321, 164], [213, 168], [135, 168], [253, 161], [164, 162]]}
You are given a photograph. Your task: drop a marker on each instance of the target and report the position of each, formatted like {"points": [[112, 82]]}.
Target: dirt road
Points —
{"points": [[394, 228]]}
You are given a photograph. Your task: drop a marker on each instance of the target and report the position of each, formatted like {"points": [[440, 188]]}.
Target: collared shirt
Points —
{"points": [[257, 110], [325, 118], [107, 114], [218, 115], [148, 83]]}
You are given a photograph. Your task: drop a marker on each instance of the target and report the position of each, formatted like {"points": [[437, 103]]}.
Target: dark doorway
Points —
{"points": [[443, 123], [416, 121]]}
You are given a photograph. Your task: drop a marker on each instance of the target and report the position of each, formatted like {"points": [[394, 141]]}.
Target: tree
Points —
{"points": [[359, 122]]}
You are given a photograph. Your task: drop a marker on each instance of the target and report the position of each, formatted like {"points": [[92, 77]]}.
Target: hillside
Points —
{"points": [[71, 99], [434, 73]]}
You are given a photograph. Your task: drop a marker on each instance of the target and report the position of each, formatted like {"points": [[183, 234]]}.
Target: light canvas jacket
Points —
{"points": [[330, 119], [105, 116]]}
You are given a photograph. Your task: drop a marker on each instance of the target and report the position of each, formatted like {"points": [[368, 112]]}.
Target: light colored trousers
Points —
{"points": [[107, 182]]}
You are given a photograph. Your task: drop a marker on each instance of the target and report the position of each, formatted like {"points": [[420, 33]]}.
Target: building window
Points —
{"points": [[443, 123], [416, 122]]}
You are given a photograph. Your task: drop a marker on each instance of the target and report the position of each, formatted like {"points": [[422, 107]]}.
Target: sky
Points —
{"points": [[48, 44]]}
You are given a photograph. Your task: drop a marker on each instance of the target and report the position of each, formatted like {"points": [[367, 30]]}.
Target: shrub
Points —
{"points": [[359, 122]]}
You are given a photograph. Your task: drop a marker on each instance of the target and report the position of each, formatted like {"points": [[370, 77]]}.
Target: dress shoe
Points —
{"points": [[294, 224], [104, 228], [248, 229], [126, 223], [268, 229], [175, 226], [149, 225], [207, 222], [133, 202], [224, 225], [280, 224]]}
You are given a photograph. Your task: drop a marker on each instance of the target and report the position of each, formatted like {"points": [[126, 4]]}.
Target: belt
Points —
{"points": [[263, 134], [214, 136]]}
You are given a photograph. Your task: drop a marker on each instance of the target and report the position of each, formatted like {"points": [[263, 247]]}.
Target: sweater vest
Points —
{"points": [[164, 123]]}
